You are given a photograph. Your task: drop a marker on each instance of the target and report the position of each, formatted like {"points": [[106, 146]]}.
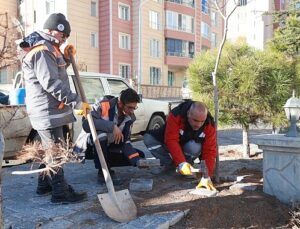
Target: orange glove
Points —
{"points": [[69, 50]]}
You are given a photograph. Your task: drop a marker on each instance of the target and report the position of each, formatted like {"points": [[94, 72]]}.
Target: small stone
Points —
{"points": [[140, 184]]}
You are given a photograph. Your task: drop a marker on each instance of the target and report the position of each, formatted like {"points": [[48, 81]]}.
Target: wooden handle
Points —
{"points": [[105, 170]]}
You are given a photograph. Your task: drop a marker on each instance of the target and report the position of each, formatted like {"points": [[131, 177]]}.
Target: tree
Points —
{"points": [[287, 35], [8, 58], [253, 85], [9, 32]]}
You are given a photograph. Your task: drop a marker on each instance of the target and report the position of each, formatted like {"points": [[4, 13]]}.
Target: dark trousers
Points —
{"points": [[57, 181], [113, 154]]}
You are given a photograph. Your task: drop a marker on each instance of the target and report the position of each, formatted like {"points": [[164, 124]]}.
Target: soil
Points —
{"points": [[230, 208]]}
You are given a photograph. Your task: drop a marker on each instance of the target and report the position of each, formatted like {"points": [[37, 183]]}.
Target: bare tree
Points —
{"points": [[220, 7], [10, 31]]}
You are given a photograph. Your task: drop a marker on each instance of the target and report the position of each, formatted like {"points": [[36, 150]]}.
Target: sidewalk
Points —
{"points": [[24, 209]]}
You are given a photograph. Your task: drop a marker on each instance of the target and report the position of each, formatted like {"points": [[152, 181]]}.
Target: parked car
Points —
{"points": [[17, 129]]}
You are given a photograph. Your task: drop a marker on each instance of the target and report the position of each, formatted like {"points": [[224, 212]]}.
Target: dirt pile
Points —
{"points": [[235, 206]]}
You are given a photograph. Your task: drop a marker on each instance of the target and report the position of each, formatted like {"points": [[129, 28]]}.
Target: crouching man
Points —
{"points": [[189, 133], [113, 118]]}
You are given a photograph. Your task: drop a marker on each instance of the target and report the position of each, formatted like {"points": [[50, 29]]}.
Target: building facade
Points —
{"points": [[148, 42], [250, 22], [152, 42]]}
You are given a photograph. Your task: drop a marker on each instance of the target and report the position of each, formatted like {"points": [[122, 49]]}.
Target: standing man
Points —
{"points": [[49, 99], [189, 133], [113, 118]]}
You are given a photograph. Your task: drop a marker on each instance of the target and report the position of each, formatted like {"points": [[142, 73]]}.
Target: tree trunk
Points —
{"points": [[214, 79], [1, 196], [246, 145]]}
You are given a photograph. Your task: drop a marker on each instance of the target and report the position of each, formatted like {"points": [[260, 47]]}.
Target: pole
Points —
{"points": [[140, 49]]}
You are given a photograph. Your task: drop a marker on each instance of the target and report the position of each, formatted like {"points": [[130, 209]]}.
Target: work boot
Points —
{"points": [[44, 183], [64, 193], [44, 186], [115, 179]]}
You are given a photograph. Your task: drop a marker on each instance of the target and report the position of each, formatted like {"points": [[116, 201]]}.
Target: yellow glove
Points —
{"points": [[69, 50], [184, 168], [206, 183], [83, 109]]}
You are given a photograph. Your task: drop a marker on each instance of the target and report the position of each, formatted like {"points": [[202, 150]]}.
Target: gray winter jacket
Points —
{"points": [[46, 83]]}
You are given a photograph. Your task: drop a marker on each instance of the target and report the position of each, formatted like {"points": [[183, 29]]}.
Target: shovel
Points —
{"points": [[118, 205]]}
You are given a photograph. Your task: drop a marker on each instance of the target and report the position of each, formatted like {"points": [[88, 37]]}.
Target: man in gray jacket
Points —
{"points": [[49, 99]]}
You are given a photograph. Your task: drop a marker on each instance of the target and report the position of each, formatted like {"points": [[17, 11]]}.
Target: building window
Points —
{"points": [[179, 48], [213, 40], [154, 20], [171, 78], [214, 19], [94, 40], [205, 30], [50, 6], [3, 75], [205, 6], [154, 48], [155, 74], [124, 71], [180, 22], [242, 2], [94, 8], [124, 12], [124, 41]]}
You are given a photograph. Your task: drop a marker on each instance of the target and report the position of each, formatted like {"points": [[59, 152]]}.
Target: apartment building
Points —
{"points": [[250, 22], [151, 42], [148, 42], [84, 19]]}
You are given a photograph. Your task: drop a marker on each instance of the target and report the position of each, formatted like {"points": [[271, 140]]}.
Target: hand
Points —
{"points": [[83, 109], [118, 135], [185, 169], [69, 50], [206, 183]]}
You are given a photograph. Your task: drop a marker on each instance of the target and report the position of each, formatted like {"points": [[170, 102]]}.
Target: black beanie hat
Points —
{"points": [[59, 23]]}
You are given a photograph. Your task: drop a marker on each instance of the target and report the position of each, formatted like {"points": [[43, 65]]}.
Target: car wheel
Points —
{"points": [[156, 122]]}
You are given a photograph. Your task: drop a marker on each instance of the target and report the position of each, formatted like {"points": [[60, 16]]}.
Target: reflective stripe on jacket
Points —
{"points": [[47, 84]]}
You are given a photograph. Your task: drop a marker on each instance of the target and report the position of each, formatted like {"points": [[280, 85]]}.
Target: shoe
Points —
{"points": [[44, 187], [43, 190], [116, 181], [69, 196]]}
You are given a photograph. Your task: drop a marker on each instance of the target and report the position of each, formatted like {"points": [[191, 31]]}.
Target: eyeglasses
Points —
{"points": [[130, 107], [64, 36]]}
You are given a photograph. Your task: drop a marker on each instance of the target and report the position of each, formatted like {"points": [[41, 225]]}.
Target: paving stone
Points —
{"points": [[244, 186], [155, 221], [141, 185], [203, 192]]}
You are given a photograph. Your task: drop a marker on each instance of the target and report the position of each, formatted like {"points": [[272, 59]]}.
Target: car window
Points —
{"points": [[93, 89], [116, 86]]}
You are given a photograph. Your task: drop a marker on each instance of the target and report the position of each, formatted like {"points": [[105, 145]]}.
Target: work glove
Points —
{"points": [[206, 183], [82, 109], [69, 50], [185, 168]]}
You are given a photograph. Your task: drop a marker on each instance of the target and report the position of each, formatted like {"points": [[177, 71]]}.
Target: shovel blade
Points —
{"points": [[120, 207]]}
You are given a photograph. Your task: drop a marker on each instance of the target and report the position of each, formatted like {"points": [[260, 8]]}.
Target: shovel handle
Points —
{"points": [[106, 174]]}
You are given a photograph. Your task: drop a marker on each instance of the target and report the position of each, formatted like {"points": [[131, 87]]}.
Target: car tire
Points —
{"points": [[156, 122]]}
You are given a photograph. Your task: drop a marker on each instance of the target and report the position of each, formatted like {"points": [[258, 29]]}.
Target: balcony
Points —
{"points": [[178, 58], [188, 3]]}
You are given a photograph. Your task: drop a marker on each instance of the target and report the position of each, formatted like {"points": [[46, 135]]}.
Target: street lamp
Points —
{"points": [[292, 111]]}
